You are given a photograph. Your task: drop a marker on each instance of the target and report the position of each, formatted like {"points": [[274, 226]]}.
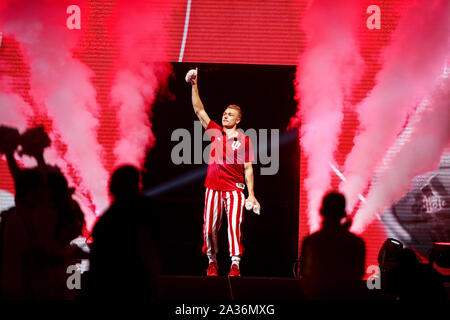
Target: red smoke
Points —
{"points": [[421, 153], [327, 70], [141, 66], [331, 65], [410, 67], [59, 91]]}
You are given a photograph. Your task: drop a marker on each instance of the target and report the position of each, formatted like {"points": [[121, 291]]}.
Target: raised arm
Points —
{"points": [[199, 109], [9, 141]]}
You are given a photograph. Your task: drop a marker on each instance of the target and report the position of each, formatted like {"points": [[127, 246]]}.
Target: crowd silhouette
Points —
{"points": [[36, 234], [332, 261], [37, 247], [124, 256], [409, 279]]}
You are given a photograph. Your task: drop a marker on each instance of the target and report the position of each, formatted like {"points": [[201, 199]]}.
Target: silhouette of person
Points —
{"points": [[124, 262], [67, 225], [35, 234], [412, 280], [332, 260], [387, 258], [17, 235]]}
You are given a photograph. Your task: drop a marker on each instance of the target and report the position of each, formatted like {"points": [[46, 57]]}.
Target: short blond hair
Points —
{"points": [[237, 108]]}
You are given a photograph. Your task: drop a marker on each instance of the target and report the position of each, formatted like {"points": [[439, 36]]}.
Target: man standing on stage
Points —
{"points": [[229, 166]]}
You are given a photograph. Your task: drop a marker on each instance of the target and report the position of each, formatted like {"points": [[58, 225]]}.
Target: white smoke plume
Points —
{"points": [[141, 67], [328, 68], [420, 154], [14, 111], [411, 65], [61, 85]]}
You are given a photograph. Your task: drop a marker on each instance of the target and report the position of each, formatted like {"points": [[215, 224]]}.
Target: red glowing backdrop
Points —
{"points": [[200, 31]]}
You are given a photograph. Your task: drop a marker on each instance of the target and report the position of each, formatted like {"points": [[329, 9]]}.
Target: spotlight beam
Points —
{"points": [[342, 177], [199, 173]]}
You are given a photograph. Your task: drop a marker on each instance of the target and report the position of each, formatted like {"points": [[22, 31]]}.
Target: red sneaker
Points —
{"points": [[212, 269], [234, 271]]}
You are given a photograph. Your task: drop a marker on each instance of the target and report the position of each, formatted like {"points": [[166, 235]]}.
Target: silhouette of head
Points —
{"points": [[389, 251], [125, 182], [333, 207], [34, 141]]}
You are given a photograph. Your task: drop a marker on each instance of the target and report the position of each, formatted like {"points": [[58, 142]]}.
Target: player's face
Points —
{"points": [[230, 118]]}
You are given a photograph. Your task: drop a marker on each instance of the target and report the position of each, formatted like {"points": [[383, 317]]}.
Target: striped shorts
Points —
{"points": [[215, 201]]}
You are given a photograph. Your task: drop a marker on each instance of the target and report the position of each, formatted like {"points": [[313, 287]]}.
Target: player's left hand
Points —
{"points": [[253, 200]]}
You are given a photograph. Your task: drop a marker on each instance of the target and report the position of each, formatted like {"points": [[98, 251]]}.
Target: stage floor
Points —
{"points": [[223, 288]]}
